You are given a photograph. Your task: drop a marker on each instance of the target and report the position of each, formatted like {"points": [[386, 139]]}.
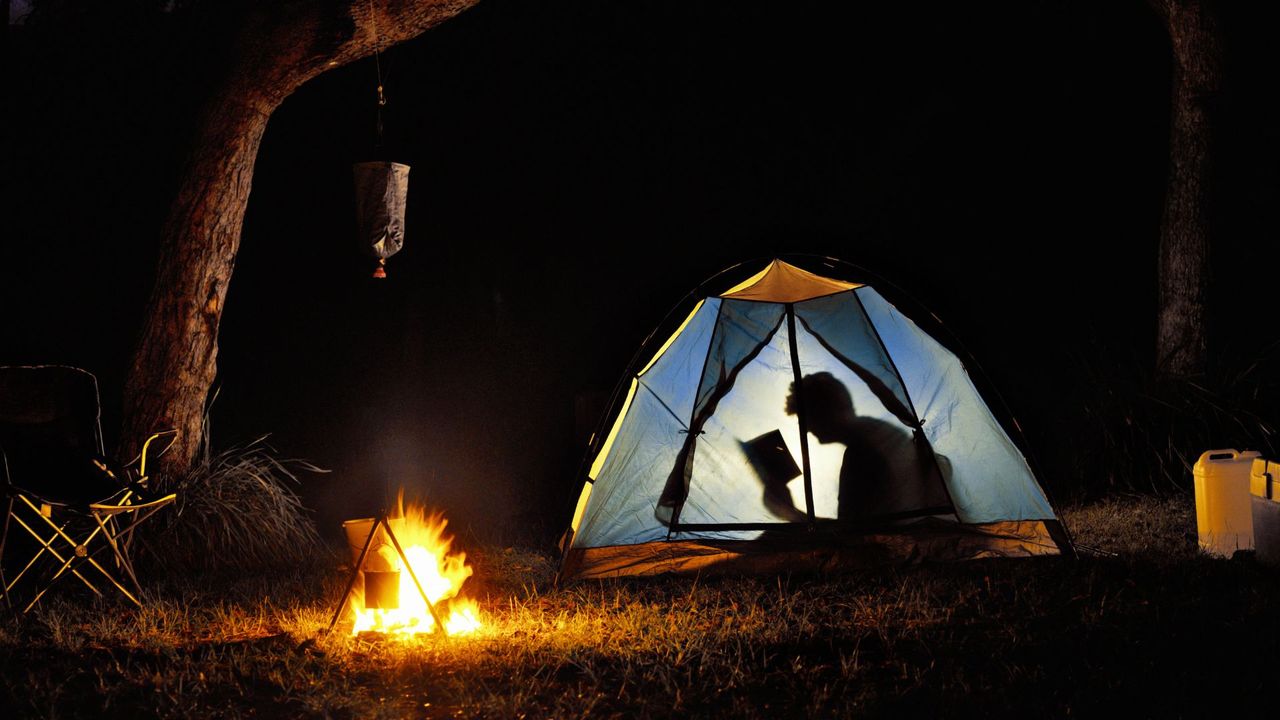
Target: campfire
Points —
{"points": [[389, 600]]}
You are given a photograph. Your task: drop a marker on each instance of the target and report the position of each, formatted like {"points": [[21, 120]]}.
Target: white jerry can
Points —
{"points": [[1224, 518], [1264, 487]]}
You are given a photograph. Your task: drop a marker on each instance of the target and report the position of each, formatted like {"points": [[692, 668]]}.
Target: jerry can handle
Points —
{"points": [[1224, 454]]}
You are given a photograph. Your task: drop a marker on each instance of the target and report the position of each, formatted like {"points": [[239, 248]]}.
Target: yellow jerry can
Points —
{"points": [[1224, 518]]}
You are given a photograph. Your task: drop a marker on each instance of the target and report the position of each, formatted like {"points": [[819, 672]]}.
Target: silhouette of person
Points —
{"points": [[883, 470]]}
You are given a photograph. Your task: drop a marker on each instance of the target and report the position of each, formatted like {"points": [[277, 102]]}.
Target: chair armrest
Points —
{"points": [[146, 447], [108, 509]]}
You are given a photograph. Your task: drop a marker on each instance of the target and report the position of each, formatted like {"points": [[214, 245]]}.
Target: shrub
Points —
{"points": [[236, 510]]}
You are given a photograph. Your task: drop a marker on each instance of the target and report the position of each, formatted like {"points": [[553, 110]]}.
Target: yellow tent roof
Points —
{"points": [[785, 283]]}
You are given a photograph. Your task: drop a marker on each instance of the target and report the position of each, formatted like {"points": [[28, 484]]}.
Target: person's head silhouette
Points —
{"points": [[828, 407]]}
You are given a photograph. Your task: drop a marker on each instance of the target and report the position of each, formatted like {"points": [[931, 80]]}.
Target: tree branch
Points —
{"points": [[276, 47]]}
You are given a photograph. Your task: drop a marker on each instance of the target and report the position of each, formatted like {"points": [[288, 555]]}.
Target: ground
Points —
{"points": [[1140, 624]]}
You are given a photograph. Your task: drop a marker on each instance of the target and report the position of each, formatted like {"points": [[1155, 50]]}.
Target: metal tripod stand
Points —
{"points": [[381, 521]]}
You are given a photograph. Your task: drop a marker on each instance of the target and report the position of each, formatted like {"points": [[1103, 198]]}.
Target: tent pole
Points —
{"points": [[800, 415]]}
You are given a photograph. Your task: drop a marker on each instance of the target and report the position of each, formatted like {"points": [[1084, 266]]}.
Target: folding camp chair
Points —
{"points": [[78, 506]]}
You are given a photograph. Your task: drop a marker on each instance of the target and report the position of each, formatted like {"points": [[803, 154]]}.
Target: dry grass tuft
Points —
{"points": [[236, 510]]}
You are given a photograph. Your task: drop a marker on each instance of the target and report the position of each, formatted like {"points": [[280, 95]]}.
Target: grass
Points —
{"points": [[1131, 427], [236, 511], [1144, 626]]}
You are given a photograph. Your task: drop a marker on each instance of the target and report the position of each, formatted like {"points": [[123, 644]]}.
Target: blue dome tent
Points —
{"points": [[798, 421]]}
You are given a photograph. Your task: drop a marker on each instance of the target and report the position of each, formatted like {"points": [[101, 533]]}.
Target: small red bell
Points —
{"points": [[380, 271]]}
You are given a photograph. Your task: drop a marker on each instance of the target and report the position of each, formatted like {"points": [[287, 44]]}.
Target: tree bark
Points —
{"points": [[278, 47], [1181, 344]]}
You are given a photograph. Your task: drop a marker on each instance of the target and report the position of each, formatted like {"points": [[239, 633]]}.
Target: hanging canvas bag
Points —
{"points": [[382, 189]]}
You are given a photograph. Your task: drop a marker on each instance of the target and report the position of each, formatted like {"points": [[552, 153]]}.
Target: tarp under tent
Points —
{"points": [[798, 422]]}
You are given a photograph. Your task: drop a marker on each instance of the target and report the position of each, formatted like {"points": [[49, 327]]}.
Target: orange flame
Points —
{"points": [[440, 572]]}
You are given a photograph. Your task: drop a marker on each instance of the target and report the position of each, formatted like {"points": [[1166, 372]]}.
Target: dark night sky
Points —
{"points": [[579, 166]]}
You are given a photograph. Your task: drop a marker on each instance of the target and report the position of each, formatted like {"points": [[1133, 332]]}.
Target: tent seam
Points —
{"points": [[693, 412], [664, 405]]}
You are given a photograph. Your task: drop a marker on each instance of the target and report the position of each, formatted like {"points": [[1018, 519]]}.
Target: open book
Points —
{"points": [[773, 465]]}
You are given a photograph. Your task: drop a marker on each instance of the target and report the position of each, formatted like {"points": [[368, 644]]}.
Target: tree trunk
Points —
{"points": [[1181, 346], [279, 46]]}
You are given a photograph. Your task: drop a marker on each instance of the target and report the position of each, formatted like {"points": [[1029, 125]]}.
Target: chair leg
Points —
{"points": [[124, 537], [71, 562], [88, 558], [4, 538], [66, 564], [30, 563], [46, 545], [113, 529], [114, 532], [110, 578], [122, 561]]}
